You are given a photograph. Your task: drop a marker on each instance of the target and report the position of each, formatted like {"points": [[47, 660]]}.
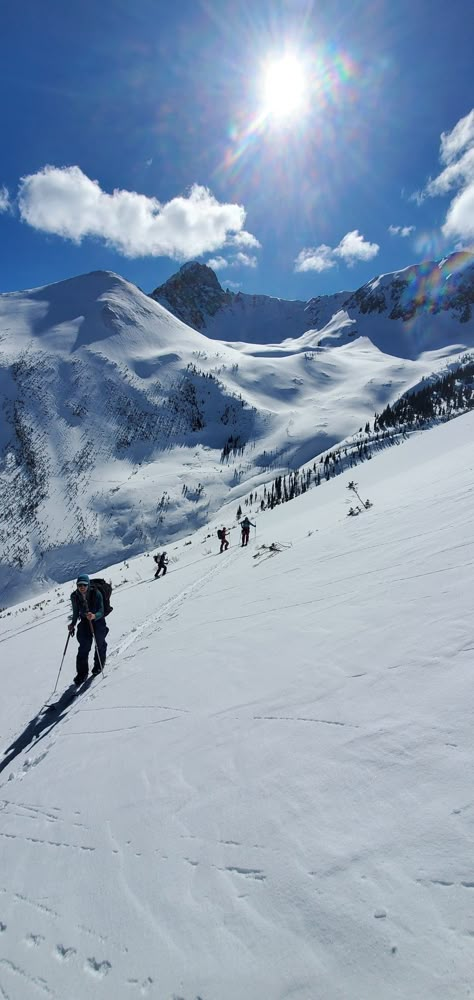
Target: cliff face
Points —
{"points": [[193, 294]]}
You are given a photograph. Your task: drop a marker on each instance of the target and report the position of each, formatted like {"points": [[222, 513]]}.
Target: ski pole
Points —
{"points": [[96, 648], [61, 667]]}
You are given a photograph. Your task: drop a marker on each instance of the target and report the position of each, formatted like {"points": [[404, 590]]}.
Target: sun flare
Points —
{"points": [[283, 87]]}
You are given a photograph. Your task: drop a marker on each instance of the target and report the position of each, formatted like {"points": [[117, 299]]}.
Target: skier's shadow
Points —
{"points": [[42, 724]]}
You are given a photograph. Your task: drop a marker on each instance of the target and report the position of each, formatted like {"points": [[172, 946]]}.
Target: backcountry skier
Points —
{"points": [[245, 526], [161, 564], [88, 608], [222, 536]]}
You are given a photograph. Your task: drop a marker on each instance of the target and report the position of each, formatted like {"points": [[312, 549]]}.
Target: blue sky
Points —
{"points": [[136, 137]]}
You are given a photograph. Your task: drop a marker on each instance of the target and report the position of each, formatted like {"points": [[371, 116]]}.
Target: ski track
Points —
{"points": [[168, 610]]}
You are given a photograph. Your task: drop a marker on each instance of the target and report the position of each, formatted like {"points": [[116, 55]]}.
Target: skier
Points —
{"points": [[224, 541], [245, 528], [162, 563], [88, 607]]}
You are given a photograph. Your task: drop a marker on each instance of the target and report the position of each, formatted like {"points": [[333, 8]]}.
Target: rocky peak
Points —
{"points": [[192, 294]]}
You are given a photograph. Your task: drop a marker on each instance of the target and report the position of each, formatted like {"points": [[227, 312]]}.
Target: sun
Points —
{"points": [[284, 87]]}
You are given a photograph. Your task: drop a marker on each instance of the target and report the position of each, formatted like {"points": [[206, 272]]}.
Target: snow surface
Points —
{"points": [[101, 456], [268, 796]]}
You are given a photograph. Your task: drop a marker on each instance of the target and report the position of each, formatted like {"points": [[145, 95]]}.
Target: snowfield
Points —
{"points": [[268, 796], [120, 421]]}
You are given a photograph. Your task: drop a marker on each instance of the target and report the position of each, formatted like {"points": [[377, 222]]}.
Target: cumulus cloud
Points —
{"points": [[5, 204], [239, 259], [243, 260], [66, 202], [217, 263], [315, 259], [352, 248], [244, 239], [402, 231], [457, 158]]}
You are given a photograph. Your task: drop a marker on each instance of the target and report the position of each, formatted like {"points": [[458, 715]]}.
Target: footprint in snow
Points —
{"points": [[99, 969]]}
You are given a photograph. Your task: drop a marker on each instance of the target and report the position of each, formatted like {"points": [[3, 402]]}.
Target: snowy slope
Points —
{"points": [[269, 792], [117, 415]]}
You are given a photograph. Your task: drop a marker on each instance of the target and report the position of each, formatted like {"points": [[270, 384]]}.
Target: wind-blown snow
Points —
{"points": [[268, 795]]}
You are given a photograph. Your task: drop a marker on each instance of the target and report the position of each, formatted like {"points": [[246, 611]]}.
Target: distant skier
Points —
{"points": [[162, 564], [245, 526], [222, 535], [88, 607]]}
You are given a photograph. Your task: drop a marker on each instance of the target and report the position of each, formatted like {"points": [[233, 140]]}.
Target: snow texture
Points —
{"points": [[268, 794]]}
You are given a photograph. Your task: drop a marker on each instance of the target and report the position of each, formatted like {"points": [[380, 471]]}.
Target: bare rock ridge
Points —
{"points": [[193, 294]]}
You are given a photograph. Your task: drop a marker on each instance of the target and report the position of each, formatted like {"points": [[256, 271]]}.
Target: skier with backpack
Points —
{"points": [[161, 564], [245, 528], [221, 534], [90, 605]]}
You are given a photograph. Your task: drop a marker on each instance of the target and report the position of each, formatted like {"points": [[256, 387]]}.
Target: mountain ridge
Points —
{"points": [[195, 295]]}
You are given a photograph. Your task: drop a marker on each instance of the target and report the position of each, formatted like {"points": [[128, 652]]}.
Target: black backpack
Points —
{"points": [[106, 591], [220, 533]]}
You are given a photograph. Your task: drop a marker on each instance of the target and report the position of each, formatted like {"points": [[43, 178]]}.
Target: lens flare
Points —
{"points": [[431, 287]]}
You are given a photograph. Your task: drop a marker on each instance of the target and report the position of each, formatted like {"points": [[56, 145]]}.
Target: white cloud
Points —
{"points": [[402, 231], [315, 259], [217, 263], [352, 247], [459, 222], [243, 260], [455, 175], [243, 239], [64, 201], [457, 156], [461, 137], [239, 259], [5, 204]]}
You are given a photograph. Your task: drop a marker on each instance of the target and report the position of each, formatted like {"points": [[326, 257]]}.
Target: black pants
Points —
{"points": [[159, 571], [85, 640]]}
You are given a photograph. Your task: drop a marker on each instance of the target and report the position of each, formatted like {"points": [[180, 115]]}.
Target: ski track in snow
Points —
{"points": [[151, 624], [257, 869]]}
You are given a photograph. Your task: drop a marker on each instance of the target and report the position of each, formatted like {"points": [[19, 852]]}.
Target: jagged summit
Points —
{"points": [[193, 294], [199, 274]]}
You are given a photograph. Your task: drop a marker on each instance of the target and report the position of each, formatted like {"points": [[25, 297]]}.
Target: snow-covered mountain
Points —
{"points": [[268, 796], [124, 427], [409, 298]]}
